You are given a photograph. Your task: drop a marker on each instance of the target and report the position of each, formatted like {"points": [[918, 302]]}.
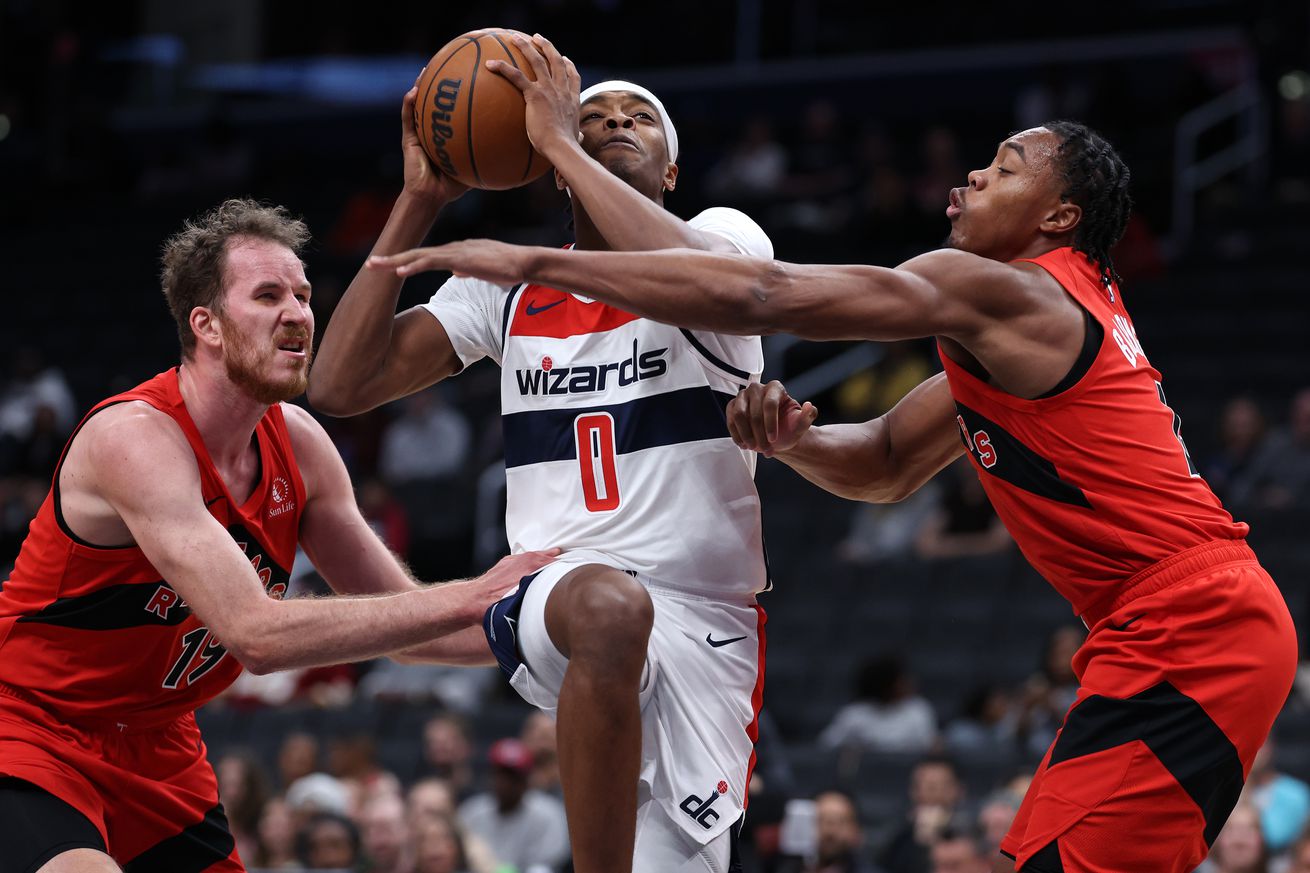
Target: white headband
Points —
{"points": [[670, 135]]}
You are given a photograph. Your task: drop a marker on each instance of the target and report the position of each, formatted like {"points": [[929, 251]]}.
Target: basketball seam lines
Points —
{"points": [[510, 55], [468, 116]]}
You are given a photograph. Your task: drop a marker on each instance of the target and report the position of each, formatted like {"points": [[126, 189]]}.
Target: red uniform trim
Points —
{"points": [[757, 704], [545, 311]]}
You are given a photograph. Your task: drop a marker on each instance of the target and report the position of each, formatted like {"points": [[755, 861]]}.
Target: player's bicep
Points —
{"points": [[147, 472], [420, 355]]}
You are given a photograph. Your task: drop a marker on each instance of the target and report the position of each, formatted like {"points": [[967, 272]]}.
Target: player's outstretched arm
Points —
{"points": [[138, 461], [369, 355], [878, 461], [351, 557], [943, 293], [629, 220]]}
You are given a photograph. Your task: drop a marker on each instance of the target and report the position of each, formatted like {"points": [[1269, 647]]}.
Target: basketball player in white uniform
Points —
{"points": [[644, 638]]}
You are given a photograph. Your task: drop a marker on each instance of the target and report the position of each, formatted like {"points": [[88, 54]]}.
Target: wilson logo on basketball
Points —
{"points": [[443, 103]]}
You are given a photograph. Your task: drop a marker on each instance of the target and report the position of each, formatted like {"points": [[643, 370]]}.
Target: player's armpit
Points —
{"points": [[333, 532]]}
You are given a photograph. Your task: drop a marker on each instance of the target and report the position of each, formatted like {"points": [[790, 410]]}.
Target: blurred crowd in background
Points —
{"points": [[883, 748]]}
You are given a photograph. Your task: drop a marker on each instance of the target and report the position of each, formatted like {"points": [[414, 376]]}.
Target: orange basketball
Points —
{"points": [[470, 120]]}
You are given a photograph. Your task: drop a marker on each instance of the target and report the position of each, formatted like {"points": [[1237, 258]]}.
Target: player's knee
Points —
{"points": [[608, 616]]}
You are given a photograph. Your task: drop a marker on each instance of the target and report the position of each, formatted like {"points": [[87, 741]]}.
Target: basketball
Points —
{"points": [[470, 120]]}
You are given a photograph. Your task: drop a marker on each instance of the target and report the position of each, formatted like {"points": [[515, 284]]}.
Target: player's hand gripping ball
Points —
{"points": [[470, 120]]}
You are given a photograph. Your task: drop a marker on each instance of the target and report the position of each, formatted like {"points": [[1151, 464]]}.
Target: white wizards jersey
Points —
{"points": [[616, 446]]}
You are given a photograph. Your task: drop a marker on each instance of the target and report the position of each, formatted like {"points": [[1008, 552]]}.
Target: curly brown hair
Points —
{"points": [[193, 259]]}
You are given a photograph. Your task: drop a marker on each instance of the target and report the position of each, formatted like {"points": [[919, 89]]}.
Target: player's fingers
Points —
{"points": [[407, 110], [516, 77], [734, 415], [771, 405], [758, 432], [571, 70], [533, 55], [553, 58], [810, 411]]}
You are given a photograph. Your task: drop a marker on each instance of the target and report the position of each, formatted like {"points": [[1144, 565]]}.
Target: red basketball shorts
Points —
{"points": [[151, 793], [1180, 682]]}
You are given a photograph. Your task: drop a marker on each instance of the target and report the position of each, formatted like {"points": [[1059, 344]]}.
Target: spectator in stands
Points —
{"points": [[353, 759], [820, 172], [752, 170], [936, 807], [244, 790], [276, 844], [439, 847], [538, 735], [840, 836], [1049, 693], [961, 852], [523, 827], [1239, 848], [385, 835], [34, 384], [296, 757], [328, 841], [447, 752], [317, 793], [1283, 801], [1278, 477], [964, 524], [1241, 435], [887, 714], [987, 725], [429, 441], [385, 514], [431, 797], [995, 817]]}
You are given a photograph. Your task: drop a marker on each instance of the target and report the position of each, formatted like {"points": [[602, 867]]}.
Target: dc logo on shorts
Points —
{"points": [[700, 810]]}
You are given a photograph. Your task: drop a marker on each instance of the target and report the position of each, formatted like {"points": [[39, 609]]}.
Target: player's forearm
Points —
{"points": [[358, 337], [699, 290], [313, 632], [627, 219], [730, 293], [465, 648], [849, 460]]}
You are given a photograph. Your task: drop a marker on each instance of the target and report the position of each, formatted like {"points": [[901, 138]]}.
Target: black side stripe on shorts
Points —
{"points": [[1045, 860], [1178, 732], [195, 849]]}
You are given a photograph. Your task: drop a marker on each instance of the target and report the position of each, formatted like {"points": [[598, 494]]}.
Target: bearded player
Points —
{"points": [[647, 638], [1191, 650], [154, 571]]}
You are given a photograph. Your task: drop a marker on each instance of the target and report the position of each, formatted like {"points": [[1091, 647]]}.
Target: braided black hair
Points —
{"points": [[1096, 179]]}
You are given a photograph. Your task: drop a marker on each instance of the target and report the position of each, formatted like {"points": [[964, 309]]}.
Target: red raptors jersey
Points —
{"points": [[94, 634], [1094, 483]]}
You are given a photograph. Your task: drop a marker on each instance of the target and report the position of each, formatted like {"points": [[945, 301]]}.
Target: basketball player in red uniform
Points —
{"points": [[154, 572], [1191, 651]]}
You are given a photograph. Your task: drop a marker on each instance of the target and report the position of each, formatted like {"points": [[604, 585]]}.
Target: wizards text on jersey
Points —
{"points": [[591, 378]]}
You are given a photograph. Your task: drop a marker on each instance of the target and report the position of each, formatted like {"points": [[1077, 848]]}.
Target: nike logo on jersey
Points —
{"points": [[591, 378], [709, 638], [1125, 625], [534, 309]]}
